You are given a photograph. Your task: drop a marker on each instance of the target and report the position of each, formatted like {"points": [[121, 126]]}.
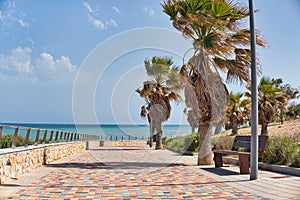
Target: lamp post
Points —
{"points": [[254, 100]]}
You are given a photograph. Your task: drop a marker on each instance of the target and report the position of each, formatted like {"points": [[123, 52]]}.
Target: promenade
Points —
{"points": [[143, 173]]}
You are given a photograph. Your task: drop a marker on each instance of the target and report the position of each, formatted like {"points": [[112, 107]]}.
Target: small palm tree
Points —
{"points": [[237, 112], [220, 44], [290, 93], [158, 94], [270, 99]]}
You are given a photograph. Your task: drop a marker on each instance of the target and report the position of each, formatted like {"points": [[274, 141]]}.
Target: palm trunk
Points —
{"points": [[234, 130], [193, 129], [205, 153], [151, 134], [218, 128], [158, 144], [234, 126], [281, 116], [264, 128]]}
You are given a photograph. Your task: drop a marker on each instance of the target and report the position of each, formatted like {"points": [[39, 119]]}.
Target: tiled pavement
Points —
{"points": [[142, 173]]}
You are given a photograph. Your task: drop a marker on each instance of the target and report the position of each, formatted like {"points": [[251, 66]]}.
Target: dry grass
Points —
{"points": [[287, 129]]}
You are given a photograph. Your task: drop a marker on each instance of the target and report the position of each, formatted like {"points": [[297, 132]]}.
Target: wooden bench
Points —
{"points": [[241, 142]]}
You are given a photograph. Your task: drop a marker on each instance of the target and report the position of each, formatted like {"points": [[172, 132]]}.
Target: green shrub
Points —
{"points": [[222, 142], [6, 141], [282, 151], [184, 143]]}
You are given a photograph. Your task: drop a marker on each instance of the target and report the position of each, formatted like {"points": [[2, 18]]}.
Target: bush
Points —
{"points": [[282, 151], [6, 141], [184, 143], [222, 142]]}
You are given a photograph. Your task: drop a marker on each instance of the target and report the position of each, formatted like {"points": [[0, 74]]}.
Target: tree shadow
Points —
{"points": [[80, 165], [220, 171], [117, 149], [113, 165]]}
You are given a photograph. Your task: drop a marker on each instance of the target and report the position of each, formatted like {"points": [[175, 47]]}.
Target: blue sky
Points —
{"points": [[49, 50]]}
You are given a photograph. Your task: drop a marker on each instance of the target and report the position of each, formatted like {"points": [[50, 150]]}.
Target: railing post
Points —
{"points": [[56, 136], [45, 136], [51, 136], [68, 136], [0, 132], [65, 136], [61, 136], [71, 137], [27, 138], [37, 137], [14, 141]]}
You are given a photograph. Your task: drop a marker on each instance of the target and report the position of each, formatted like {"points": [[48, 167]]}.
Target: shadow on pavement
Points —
{"points": [[116, 149], [112, 165], [220, 171], [9, 185], [94, 165]]}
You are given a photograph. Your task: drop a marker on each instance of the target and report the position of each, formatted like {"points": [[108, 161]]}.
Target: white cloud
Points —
{"points": [[93, 17], [88, 7], [12, 16], [18, 61], [116, 9], [96, 22], [11, 4], [23, 23], [19, 64], [58, 70], [112, 22], [149, 11]]}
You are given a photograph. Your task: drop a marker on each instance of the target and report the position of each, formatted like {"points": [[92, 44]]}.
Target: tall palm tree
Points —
{"points": [[220, 44], [238, 111], [270, 99], [158, 94]]}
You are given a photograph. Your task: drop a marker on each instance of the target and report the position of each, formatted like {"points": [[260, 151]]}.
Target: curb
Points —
{"points": [[269, 167]]}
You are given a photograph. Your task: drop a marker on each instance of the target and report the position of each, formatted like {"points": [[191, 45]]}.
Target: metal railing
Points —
{"points": [[36, 136], [49, 136]]}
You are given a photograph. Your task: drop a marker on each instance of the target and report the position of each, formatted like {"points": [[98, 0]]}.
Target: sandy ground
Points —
{"points": [[288, 128]]}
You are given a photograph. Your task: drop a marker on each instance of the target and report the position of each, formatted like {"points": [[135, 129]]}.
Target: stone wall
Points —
{"points": [[14, 162]]}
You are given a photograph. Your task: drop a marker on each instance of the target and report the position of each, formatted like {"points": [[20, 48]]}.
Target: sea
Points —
{"points": [[106, 131]]}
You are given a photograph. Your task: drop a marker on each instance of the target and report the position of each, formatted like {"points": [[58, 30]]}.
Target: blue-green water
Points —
{"points": [[106, 131]]}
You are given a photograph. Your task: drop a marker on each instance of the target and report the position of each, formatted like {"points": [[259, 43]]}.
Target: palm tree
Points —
{"points": [[220, 44], [270, 99], [158, 94], [288, 91], [293, 111], [238, 111]]}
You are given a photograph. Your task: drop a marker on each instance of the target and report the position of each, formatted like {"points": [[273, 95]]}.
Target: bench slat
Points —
{"points": [[245, 145], [245, 138], [227, 152]]}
